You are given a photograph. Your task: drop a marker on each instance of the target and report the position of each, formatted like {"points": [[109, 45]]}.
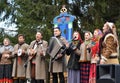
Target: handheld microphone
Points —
{"points": [[73, 38]]}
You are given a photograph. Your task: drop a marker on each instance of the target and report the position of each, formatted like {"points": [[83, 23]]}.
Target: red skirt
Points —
{"points": [[92, 77]]}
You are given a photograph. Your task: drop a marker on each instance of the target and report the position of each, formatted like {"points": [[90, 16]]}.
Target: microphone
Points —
{"points": [[71, 46], [73, 38], [70, 42]]}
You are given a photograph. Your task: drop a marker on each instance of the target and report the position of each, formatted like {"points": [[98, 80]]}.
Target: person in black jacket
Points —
{"points": [[73, 62]]}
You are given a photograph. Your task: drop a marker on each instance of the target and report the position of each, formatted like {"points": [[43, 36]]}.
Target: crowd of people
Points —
{"points": [[24, 63]]}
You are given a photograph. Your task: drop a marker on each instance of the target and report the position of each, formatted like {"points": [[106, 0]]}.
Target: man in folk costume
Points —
{"points": [[20, 57], [58, 65], [6, 62], [109, 45], [36, 70]]}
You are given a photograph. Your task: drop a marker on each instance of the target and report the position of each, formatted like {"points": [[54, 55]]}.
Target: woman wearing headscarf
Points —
{"points": [[109, 45], [73, 62], [94, 55], [85, 57]]}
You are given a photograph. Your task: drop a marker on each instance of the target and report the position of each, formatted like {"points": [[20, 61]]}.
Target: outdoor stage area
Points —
{"points": [[105, 74]]}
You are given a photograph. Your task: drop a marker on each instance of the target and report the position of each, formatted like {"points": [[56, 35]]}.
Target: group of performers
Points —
{"points": [[27, 62]]}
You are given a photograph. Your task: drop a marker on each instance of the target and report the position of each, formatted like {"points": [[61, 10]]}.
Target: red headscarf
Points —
{"points": [[79, 37]]}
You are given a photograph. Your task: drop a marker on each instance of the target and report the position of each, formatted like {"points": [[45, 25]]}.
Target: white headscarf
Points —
{"points": [[110, 24]]}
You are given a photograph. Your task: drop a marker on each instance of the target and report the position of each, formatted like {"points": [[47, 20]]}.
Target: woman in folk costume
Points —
{"points": [[73, 62], [85, 57], [6, 62], [109, 45], [113, 27], [94, 54]]}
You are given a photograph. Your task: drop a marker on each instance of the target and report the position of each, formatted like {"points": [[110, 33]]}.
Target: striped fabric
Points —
{"points": [[6, 73], [84, 72]]}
